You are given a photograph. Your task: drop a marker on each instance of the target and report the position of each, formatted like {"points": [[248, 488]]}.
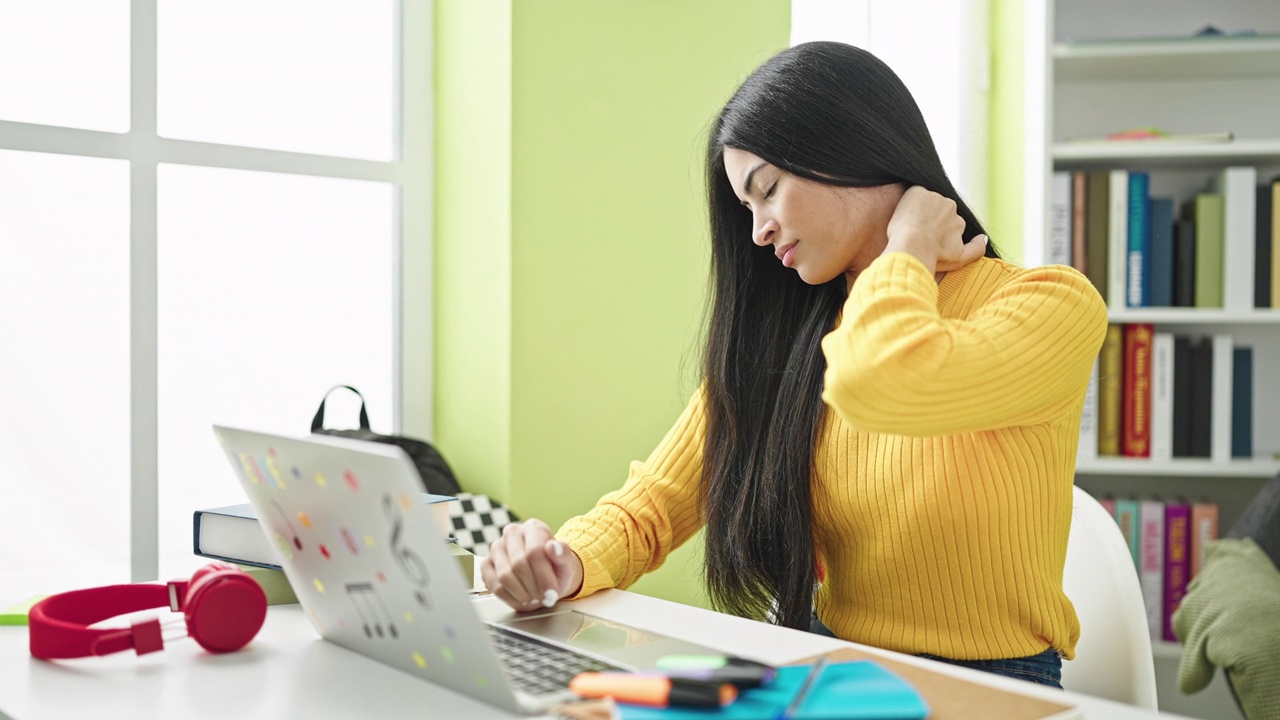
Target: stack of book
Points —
{"points": [[233, 534], [1167, 541], [1142, 251], [1159, 395]]}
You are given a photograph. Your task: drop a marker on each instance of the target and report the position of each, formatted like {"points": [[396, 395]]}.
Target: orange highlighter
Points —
{"points": [[653, 690]]}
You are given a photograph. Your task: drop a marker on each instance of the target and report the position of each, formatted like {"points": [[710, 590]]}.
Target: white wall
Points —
{"points": [[940, 50]]}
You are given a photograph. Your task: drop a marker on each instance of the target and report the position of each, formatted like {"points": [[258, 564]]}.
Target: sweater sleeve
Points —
{"points": [[895, 365], [631, 531]]}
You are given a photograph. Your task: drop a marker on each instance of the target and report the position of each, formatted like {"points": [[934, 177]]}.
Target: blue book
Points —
{"points": [[1242, 403], [233, 534], [1161, 252], [1138, 276], [856, 690]]}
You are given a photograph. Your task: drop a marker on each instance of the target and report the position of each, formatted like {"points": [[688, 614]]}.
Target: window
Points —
{"points": [[209, 211]]}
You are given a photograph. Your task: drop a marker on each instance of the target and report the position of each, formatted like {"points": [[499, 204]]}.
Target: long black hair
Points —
{"points": [[837, 115]]}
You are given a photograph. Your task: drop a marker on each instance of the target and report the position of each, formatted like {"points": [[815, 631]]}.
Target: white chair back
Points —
{"points": [[1113, 657]]}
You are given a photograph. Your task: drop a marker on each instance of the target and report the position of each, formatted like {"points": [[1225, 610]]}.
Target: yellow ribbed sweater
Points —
{"points": [[942, 489]]}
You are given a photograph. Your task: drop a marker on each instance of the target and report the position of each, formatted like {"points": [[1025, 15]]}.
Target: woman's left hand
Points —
{"points": [[925, 224]]}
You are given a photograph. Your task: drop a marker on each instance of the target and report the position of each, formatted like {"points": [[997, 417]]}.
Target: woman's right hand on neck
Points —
{"points": [[528, 569]]}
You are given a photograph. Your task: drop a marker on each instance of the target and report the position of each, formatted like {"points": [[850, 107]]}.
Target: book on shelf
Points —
{"points": [[1087, 450], [1117, 237], [1161, 276], [1242, 402], [1206, 211], [1110, 382], [1264, 236], [1151, 563], [1127, 519], [1078, 196], [1098, 189], [1162, 396], [1182, 381], [1138, 265], [1184, 262], [1152, 136], [1177, 519], [1201, 384], [1135, 431], [1220, 416], [1275, 243], [1204, 530], [233, 533], [1060, 221], [1238, 188]]}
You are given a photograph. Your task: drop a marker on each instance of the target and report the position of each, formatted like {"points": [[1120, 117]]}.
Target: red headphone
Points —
{"points": [[223, 607]]}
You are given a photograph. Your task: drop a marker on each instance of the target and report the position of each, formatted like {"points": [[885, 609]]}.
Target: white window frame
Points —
{"points": [[410, 172]]}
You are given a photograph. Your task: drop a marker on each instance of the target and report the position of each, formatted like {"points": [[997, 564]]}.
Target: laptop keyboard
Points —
{"points": [[538, 668]]}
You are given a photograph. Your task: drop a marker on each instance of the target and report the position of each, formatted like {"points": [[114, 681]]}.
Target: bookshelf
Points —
{"points": [[1096, 67]]}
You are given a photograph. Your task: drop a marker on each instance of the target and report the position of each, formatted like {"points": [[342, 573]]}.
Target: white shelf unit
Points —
{"points": [[1096, 67], [1180, 467]]}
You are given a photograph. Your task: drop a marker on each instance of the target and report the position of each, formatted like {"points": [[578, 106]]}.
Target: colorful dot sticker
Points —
{"points": [[275, 474], [297, 474], [271, 452], [302, 518], [350, 477], [319, 585], [325, 552], [349, 540], [320, 480], [368, 541], [447, 654], [257, 471], [248, 472], [419, 660], [382, 577], [408, 617], [481, 682], [285, 548], [404, 501], [449, 633]]}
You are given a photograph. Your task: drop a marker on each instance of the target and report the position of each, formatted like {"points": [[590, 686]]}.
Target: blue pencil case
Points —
{"points": [[857, 690]]}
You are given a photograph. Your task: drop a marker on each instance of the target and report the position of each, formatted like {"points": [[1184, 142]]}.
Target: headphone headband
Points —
{"points": [[223, 609]]}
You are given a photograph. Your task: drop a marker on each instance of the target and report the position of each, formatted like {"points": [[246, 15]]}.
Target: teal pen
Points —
{"points": [[810, 681]]}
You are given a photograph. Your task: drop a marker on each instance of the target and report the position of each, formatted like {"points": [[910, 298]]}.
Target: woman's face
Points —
{"points": [[818, 230]]}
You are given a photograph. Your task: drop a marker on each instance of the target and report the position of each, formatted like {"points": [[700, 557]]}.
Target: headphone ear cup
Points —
{"points": [[225, 608]]}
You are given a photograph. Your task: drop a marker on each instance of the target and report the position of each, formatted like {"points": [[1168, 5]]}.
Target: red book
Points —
{"points": [[1135, 426], [1204, 530], [1177, 560]]}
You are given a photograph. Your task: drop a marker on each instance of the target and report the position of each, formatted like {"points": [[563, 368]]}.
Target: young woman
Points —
{"points": [[888, 412]]}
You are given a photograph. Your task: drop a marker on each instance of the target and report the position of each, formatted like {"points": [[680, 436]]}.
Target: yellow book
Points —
{"points": [[1110, 383], [1275, 244]]}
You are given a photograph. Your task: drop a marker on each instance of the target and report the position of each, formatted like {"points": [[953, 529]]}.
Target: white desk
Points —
{"points": [[288, 672]]}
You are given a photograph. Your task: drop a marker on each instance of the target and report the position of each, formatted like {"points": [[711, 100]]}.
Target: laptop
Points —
{"points": [[370, 567]]}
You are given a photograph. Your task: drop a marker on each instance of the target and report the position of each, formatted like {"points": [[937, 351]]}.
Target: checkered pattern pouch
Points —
{"points": [[478, 521]]}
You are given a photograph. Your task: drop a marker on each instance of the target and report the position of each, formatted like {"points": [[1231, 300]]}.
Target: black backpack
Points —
{"points": [[437, 478]]}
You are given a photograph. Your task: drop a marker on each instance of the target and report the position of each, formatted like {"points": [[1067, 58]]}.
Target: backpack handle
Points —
{"points": [[318, 421]]}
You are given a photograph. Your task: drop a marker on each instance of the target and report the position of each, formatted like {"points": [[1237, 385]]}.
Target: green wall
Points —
{"points": [[571, 249], [1004, 172]]}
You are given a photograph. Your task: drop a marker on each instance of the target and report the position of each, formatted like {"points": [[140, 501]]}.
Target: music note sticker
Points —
{"points": [[373, 611], [409, 562]]}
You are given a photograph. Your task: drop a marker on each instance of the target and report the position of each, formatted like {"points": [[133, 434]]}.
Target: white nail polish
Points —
{"points": [[550, 598], [557, 548]]}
